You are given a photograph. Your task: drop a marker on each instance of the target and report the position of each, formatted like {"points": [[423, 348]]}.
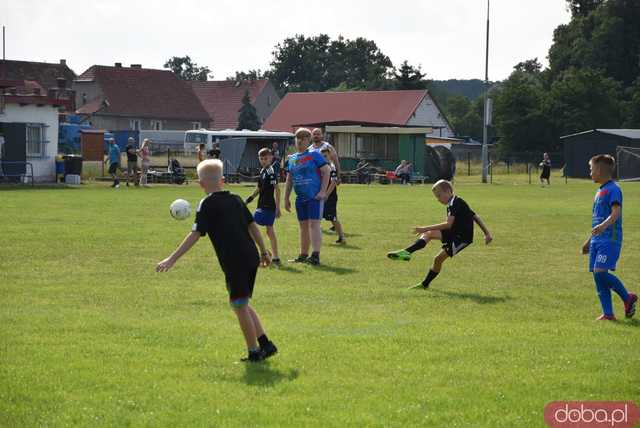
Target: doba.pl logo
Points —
{"points": [[591, 414]]}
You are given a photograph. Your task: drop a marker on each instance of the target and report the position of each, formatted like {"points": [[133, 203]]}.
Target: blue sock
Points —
{"points": [[616, 285], [604, 292]]}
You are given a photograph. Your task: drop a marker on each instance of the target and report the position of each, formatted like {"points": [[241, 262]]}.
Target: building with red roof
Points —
{"points": [[134, 98], [222, 100], [379, 127]]}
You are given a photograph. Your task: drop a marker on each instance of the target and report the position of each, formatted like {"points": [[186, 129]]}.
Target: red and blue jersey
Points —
{"points": [[608, 194], [305, 173]]}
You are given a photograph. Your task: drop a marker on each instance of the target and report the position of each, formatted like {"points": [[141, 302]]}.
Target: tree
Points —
{"points": [[409, 77], [249, 75], [186, 69], [465, 117], [584, 99], [519, 115], [631, 108], [318, 63], [583, 7], [248, 118]]}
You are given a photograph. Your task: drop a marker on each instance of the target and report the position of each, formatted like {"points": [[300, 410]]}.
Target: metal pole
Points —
{"points": [[468, 163], [485, 157], [3, 45]]}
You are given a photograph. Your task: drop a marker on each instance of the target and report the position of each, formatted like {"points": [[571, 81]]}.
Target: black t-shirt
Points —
{"points": [[214, 153], [131, 153], [266, 183], [462, 227], [225, 218], [333, 196]]}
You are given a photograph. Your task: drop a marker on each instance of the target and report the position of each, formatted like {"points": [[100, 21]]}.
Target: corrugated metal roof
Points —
{"points": [[633, 134], [392, 108]]}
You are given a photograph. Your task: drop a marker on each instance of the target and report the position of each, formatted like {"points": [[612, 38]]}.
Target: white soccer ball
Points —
{"points": [[180, 209]]}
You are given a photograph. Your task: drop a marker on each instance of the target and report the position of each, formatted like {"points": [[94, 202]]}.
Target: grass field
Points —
{"points": [[90, 335]]}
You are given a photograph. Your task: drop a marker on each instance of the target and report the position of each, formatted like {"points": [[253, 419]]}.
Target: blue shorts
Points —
{"points": [[265, 217], [604, 255], [309, 209]]}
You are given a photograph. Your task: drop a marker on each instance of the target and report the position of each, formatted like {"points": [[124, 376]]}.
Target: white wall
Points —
{"points": [[44, 169], [428, 114]]}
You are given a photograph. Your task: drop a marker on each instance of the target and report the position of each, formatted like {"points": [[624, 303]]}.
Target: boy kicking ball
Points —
{"points": [[455, 234], [605, 243], [268, 205], [234, 235]]}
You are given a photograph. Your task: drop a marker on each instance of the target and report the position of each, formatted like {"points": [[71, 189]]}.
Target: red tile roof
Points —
{"points": [[143, 93], [22, 87], [222, 99], [358, 107], [42, 72]]}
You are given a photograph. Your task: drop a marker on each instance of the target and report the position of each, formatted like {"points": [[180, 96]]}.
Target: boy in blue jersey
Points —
{"points": [[308, 174], [605, 242], [114, 162]]}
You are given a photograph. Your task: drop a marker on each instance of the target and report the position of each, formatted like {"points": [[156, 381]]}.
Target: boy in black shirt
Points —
{"points": [[456, 233], [268, 205], [132, 162], [330, 212], [234, 235]]}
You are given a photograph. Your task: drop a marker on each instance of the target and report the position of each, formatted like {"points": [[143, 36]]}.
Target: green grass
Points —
{"points": [[90, 335]]}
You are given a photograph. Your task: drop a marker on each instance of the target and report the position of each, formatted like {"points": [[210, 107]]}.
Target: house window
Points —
{"points": [[196, 125], [35, 141], [156, 125], [134, 124]]}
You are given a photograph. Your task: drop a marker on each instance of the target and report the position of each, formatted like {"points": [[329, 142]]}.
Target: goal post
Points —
{"points": [[628, 162]]}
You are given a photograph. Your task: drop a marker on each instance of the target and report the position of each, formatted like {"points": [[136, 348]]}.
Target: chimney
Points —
{"points": [[63, 62], [136, 65], [61, 83], [118, 65]]}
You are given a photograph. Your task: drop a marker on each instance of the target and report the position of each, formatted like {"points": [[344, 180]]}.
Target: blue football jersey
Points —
{"points": [[607, 195], [305, 173]]}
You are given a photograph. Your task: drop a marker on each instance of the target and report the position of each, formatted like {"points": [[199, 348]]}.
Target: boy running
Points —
{"points": [[307, 173], [114, 162], [268, 206], [234, 235], [331, 205], [456, 233], [605, 243]]}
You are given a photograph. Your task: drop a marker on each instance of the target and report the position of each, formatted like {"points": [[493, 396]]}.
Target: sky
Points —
{"points": [[445, 37]]}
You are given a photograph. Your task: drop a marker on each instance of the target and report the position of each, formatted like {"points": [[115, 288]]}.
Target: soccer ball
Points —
{"points": [[180, 209]]}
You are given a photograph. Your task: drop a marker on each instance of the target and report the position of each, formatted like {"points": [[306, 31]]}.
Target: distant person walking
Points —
{"points": [[201, 152], [546, 169], [145, 153], [114, 162], [215, 152], [132, 162]]}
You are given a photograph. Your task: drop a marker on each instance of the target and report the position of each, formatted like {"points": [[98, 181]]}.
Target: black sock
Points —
{"points": [[418, 245], [263, 341], [430, 277]]}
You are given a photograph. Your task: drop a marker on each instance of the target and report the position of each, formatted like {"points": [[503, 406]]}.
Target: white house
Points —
{"points": [[29, 125]]}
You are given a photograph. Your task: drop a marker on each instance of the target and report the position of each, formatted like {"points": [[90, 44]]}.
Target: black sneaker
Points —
{"points": [[300, 259], [276, 262], [341, 240], [332, 228], [314, 260], [254, 357], [269, 350]]}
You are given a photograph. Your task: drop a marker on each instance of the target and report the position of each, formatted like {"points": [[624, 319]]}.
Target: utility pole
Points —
{"points": [[485, 149]]}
